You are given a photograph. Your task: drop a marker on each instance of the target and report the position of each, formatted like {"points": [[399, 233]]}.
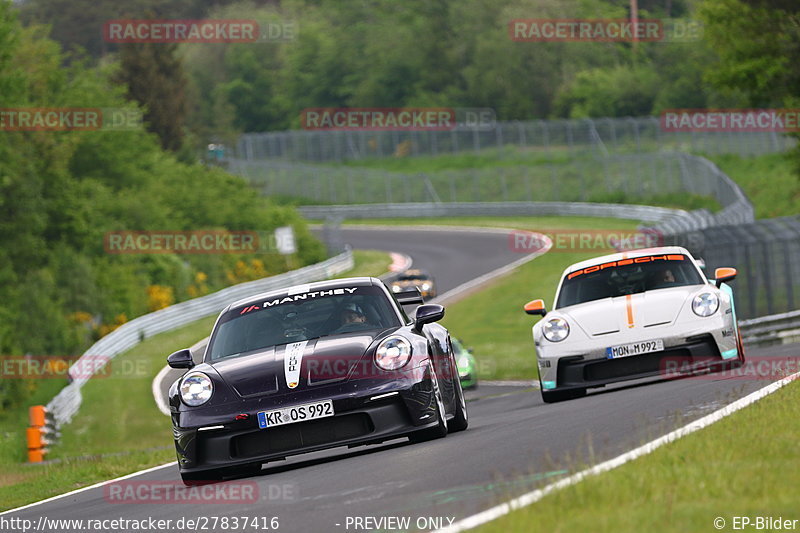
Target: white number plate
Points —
{"points": [[296, 413], [635, 348]]}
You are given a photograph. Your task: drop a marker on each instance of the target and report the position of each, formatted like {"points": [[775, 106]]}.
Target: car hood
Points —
{"points": [[611, 315], [321, 361]]}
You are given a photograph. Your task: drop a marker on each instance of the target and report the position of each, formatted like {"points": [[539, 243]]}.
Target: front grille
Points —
{"points": [[628, 366], [577, 371], [301, 435]]}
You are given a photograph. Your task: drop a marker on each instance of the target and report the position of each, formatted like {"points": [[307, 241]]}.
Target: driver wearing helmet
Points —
{"points": [[352, 314]]}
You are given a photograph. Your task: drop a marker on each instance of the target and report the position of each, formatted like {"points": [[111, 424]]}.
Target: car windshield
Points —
{"points": [[611, 279], [301, 317]]}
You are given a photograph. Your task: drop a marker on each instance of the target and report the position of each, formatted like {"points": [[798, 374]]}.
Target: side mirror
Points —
{"points": [[723, 274], [535, 307], [427, 314], [181, 359]]}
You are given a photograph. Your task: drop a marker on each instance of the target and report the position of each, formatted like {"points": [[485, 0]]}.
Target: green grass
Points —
{"points": [[368, 263], [488, 158], [118, 429], [770, 182], [745, 465]]}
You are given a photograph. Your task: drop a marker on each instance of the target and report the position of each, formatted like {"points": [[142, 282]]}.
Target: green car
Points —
{"points": [[467, 371]]}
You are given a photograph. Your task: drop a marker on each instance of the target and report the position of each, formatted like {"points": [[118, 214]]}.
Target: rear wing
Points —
{"points": [[409, 297]]}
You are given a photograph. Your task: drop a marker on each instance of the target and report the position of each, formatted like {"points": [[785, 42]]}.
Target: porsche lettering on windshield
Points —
{"points": [[624, 262], [627, 276]]}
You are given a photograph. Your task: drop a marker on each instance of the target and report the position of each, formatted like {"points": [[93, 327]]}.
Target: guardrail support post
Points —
{"points": [[35, 434]]}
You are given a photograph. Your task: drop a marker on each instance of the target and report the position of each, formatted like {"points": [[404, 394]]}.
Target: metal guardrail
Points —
{"points": [[772, 329], [66, 403], [703, 177], [429, 210]]}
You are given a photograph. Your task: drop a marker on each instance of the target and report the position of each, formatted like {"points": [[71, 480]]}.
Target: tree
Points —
{"points": [[758, 44], [154, 76]]}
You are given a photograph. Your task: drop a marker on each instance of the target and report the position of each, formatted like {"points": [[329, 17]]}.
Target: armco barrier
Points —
{"points": [[783, 328], [680, 228], [475, 209], [66, 403]]}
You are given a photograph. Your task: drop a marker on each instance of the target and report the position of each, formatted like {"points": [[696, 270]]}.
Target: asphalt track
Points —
{"points": [[514, 443]]}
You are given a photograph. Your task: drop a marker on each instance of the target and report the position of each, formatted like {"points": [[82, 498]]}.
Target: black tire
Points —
{"points": [[740, 345], [562, 395], [460, 419], [440, 430], [205, 477]]}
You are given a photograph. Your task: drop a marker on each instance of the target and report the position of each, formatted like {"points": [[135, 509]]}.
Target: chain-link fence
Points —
{"points": [[548, 138], [767, 256], [629, 178]]}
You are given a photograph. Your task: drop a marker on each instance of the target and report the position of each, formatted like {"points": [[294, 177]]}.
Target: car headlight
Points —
{"points": [[462, 362], [393, 353], [396, 288], [426, 286], [555, 329], [196, 389], [705, 304]]}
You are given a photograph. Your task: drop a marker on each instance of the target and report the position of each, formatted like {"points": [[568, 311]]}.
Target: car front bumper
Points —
{"points": [[365, 413], [586, 366]]}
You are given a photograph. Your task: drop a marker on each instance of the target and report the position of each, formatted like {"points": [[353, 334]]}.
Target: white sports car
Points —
{"points": [[631, 315]]}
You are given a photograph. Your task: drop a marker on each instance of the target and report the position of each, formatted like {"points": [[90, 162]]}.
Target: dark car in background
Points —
{"points": [[310, 367]]}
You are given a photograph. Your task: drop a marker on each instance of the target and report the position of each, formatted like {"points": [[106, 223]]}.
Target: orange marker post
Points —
{"points": [[35, 433]]}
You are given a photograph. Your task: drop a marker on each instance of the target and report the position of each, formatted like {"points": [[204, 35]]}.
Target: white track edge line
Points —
{"points": [[534, 496], [83, 489], [156, 388], [163, 406]]}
